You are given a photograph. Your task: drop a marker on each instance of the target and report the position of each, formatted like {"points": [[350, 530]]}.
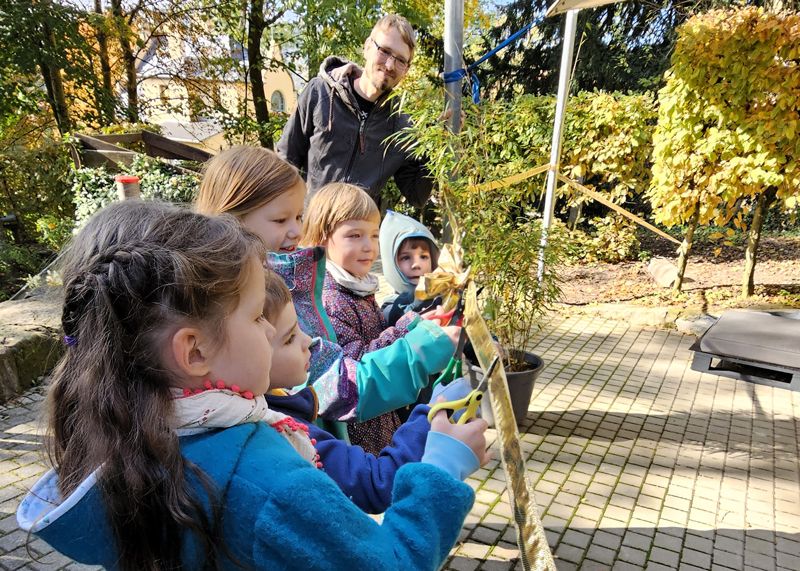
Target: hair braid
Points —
{"points": [[136, 271]]}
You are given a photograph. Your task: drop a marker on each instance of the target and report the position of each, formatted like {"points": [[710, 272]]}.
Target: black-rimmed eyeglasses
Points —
{"points": [[385, 55]]}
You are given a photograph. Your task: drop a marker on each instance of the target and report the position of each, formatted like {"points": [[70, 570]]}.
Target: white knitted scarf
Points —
{"points": [[362, 287], [223, 408]]}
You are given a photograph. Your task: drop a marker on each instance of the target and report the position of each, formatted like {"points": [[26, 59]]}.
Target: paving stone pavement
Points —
{"points": [[636, 461]]}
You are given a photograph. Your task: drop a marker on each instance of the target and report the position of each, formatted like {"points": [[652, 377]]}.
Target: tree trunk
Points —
{"points": [[255, 31], [313, 58], [106, 104], [685, 247], [129, 59], [765, 199], [132, 110], [574, 215], [53, 83]]}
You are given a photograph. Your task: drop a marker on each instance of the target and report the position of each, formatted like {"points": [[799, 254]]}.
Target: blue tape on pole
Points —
{"points": [[507, 41], [459, 74], [455, 75]]}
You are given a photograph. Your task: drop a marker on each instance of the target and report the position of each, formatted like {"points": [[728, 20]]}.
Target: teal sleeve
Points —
{"points": [[393, 376], [449, 454]]}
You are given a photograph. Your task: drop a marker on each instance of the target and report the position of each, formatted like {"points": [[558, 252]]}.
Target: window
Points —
{"points": [[277, 102]]}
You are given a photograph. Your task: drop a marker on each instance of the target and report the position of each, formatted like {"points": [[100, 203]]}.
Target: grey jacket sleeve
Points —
{"points": [[295, 140], [414, 181]]}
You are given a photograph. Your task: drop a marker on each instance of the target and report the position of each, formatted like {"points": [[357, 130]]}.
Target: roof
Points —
{"points": [[190, 131]]}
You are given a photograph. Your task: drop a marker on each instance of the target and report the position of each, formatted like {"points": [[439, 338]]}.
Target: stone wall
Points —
{"points": [[30, 340]]}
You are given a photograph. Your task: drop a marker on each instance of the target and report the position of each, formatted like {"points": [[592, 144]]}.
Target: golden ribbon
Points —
{"points": [[447, 280], [531, 540], [450, 281], [514, 179]]}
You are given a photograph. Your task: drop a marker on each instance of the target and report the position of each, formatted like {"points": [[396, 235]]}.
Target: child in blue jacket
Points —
{"points": [[365, 478], [166, 455]]}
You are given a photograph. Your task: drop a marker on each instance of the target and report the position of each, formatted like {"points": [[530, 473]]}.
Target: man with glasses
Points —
{"points": [[344, 115]]}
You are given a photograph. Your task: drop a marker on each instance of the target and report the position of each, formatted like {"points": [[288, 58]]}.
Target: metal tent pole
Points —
{"points": [[453, 49], [558, 126], [453, 60]]}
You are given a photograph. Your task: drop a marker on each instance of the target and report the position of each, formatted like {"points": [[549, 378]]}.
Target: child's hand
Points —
{"points": [[436, 314], [453, 332], [470, 433]]}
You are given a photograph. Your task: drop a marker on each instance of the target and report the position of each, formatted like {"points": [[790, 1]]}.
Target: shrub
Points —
{"points": [[94, 188], [612, 239], [726, 143], [163, 182], [34, 183], [501, 228], [18, 261], [53, 231]]}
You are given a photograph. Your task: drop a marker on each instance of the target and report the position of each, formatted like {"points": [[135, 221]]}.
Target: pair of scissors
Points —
{"points": [[453, 369], [470, 403]]}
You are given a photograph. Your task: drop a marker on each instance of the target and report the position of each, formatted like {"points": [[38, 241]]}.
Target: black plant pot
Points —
{"points": [[520, 386]]}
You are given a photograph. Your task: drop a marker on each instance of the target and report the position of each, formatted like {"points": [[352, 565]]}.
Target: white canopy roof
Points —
{"points": [[560, 6]]}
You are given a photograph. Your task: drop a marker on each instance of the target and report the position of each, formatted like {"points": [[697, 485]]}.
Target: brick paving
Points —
{"points": [[637, 462]]}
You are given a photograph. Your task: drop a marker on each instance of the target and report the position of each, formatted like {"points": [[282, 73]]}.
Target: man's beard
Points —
{"points": [[385, 84]]}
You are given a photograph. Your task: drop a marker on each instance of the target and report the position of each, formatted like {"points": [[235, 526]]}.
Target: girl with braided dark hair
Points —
{"points": [[165, 453]]}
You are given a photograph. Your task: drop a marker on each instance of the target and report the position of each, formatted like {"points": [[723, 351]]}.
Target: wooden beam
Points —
{"points": [[158, 146], [121, 138], [96, 144], [110, 159]]}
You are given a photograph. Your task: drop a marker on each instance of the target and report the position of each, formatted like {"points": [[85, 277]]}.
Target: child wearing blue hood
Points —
{"points": [[408, 251]]}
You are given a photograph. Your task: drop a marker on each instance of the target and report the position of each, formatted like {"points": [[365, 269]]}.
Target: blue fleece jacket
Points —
{"points": [[365, 478], [278, 511]]}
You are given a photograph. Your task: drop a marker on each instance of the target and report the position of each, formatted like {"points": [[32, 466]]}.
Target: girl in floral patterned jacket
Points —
{"points": [[344, 219]]}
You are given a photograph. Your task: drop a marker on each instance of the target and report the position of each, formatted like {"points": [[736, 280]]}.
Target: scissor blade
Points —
{"points": [[484, 383], [462, 341]]}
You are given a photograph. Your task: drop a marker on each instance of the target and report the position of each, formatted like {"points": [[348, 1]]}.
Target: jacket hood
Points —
{"points": [[395, 228], [77, 525], [303, 272], [342, 87]]}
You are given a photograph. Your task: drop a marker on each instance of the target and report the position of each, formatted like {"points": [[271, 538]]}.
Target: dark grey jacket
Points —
{"points": [[329, 142]]}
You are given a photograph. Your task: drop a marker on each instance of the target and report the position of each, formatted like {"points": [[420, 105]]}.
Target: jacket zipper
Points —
{"points": [[360, 144]]}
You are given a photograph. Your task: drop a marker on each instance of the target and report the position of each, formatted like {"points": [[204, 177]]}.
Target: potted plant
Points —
{"points": [[498, 229]]}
